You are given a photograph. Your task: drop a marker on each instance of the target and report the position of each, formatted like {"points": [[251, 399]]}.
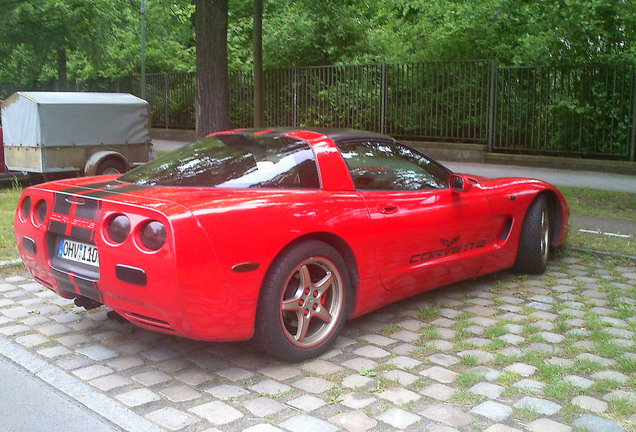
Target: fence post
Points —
{"points": [[166, 99], [633, 137], [383, 97], [295, 97], [492, 90]]}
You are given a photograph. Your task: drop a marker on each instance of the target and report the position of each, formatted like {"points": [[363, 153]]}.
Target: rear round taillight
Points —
{"points": [[40, 212], [25, 209], [153, 235], [118, 229]]}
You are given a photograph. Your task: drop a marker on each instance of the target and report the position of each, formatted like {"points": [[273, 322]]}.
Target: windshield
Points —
{"points": [[233, 161]]}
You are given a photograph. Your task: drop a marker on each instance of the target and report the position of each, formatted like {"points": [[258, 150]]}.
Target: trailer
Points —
{"points": [[75, 133]]}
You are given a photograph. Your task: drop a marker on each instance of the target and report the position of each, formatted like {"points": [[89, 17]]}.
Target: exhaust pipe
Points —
{"points": [[86, 303]]}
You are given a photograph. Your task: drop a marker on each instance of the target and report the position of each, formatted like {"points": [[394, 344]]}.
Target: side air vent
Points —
{"points": [[505, 230]]}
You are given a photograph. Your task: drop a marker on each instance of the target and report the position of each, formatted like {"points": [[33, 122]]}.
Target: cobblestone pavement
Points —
{"points": [[505, 352]]}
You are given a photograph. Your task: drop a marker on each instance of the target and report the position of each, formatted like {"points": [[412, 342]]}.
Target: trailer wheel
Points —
{"points": [[111, 166]]}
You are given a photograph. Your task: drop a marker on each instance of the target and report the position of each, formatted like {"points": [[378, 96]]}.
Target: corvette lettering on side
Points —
{"points": [[450, 250]]}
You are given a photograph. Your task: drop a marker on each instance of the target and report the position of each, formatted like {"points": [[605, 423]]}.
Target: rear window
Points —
{"points": [[233, 161]]}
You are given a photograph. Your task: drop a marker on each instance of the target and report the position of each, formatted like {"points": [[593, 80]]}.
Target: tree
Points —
{"points": [[212, 101], [257, 47]]}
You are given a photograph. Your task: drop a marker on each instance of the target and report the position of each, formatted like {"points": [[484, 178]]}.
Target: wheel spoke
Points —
{"points": [[323, 314], [291, 305], [303, 326], [324, 284]]}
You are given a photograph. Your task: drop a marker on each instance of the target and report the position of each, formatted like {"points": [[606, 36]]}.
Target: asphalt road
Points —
{"points": [[29, 405]]}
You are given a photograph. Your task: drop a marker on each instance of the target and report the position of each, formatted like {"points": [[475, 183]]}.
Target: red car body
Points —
{"points": [[205, 281]]}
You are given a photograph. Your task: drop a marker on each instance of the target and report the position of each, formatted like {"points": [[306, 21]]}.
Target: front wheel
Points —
{"points": [[304, 302], [533, 251], [111, 166]]}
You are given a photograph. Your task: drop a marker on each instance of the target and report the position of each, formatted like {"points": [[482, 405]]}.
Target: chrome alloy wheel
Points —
{"points": [[545, 234], [312, 302]]}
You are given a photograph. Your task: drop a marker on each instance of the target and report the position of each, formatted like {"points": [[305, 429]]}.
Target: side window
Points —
{"points": [[376, 165]]}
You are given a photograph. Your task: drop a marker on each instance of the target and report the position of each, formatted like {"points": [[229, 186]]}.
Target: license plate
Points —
{"points": [[78, 252]]}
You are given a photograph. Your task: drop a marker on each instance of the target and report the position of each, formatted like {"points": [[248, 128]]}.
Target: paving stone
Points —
{"points": [[371, 352], [399, 396], [498, 427], [544, 424], [610, 375], [32, 340], [590, 404], [578, 381], [92, 372], [270, 387], [481, 310], [264, 427], [74, 363], [227, 391], [357, 400], [404, 378], [97, 352], [481, 356], [314, 385], [280, 372], [110, 382], [180, 393], [404, 362], [307, 403], [440, 374], [406, 336], [620, 394], [552, 337], [217, 413], [137, 397], [529, 385], [125, 363], [354, 421], [303, 423], [445, 333], [437, 391], [160, 354], [443, 359], [404, 349], [321, 367], [53, 352], [486, 372], [358, 381], [492, 410], [522, 369], [398, 418], [558, 361], [171, 418], [592, 423], [263, 406], [235, 374], [151, 378], [448, 415], [512, 339], [482, 321], [539, 406], [15, 312], [491, 391], [539, 306], [359, 364], [592, 357]]}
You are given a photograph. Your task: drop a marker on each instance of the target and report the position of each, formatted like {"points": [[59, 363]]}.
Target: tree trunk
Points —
{"points": [[62, 73], [257, 54], [212, 105]]}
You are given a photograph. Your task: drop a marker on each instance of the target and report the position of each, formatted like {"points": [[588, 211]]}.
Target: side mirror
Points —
{"points": [[460, 183]]}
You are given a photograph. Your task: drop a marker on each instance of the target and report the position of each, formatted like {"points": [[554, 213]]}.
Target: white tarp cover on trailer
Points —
{"points": [[51, 119]]}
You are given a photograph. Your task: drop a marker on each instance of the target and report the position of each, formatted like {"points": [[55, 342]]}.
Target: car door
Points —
{"points": [[423, 231]]}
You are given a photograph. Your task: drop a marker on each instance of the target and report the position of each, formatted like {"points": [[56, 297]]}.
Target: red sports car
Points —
{"points": [[279, 235]]}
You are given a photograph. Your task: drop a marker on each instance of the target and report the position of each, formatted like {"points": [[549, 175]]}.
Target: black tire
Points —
{"points": [[111, 166], [534, 243], [304, 302]]}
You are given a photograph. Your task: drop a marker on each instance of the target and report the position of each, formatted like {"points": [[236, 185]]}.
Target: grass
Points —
{"points": [[605, 204], [600, 203], [8, 203]]}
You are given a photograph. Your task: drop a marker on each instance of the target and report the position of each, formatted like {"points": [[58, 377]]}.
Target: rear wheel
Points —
{"points": [[110, 167], [304, 302], [534, 243]]}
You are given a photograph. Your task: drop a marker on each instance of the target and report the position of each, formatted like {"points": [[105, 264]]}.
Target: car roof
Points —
{"points": [[337, 135]]}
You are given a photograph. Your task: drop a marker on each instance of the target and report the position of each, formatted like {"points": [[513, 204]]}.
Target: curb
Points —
{"points": [[83, 394], [11, 263], [600, 253]]}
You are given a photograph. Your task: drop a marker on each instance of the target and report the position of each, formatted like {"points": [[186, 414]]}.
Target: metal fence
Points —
{"points": [[579, 111]]}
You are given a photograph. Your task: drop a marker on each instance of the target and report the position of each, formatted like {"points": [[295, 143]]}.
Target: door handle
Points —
{"points": [[388, 209]]}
